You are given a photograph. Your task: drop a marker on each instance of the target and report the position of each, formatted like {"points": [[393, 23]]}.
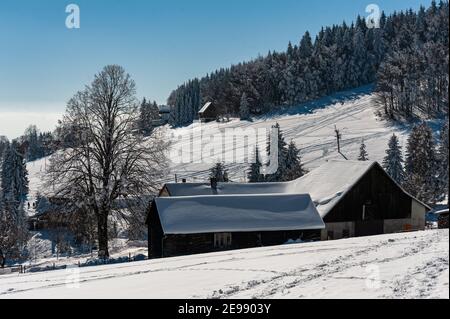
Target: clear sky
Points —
{"points": [[161, 43]]}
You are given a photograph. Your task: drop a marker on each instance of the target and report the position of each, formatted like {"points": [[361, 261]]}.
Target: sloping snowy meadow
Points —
{"points": [[409, 265]]}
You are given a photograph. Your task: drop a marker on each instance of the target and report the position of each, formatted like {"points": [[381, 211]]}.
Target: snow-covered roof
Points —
{"points": [[204, 189], [329, 183], [326, 185], [237, 213], [205, 107]]}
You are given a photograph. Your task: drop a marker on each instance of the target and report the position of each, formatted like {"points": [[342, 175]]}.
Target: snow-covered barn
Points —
{"points": [[354, 198], [201, 224]]}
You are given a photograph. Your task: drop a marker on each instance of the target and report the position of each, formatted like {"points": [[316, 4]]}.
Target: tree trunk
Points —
{"points": [[102, 220]]}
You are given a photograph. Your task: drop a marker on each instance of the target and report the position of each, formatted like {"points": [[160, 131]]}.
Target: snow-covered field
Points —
{"points": [[312, 128], [410, 265]]}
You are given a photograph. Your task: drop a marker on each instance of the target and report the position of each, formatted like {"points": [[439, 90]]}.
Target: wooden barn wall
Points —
{"points": [[155, 233], [178, 245], [382, 197], [211, 113]]}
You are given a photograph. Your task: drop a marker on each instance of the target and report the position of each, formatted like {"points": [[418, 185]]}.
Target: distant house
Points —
{"points": [[164, 114], [201, 224], [208, 113], [353, 198]]}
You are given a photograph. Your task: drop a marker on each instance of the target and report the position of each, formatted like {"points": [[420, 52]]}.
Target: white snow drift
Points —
{"points": [[410, 265]]}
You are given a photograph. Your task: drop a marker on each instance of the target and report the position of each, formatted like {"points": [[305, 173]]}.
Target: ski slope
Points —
{"points": [[410, 265], [312, 128]]}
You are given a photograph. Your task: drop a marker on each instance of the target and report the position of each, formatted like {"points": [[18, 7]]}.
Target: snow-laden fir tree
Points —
{"points": [[421, 164], [4, 144], [14, 176], [254, 174], [148, 115], [34, 150], [393, 162], [363, 155], [281, 146], [294, 165], [244, 110], [13, 192], [443, 160], [219, 173]]}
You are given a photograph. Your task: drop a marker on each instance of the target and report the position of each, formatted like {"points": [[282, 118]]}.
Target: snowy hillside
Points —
{"points": [[412, 265], [312, 128]]}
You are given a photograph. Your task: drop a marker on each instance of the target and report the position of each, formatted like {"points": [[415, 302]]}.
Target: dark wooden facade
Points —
{"points": [[210, 114], [372, 200], [161, 245]]}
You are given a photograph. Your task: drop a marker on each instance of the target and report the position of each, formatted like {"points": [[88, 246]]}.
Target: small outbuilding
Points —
{"points": [[164, 114], [201, 224], [208, 112]]}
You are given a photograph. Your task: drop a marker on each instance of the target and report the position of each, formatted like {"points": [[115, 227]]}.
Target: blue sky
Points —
{"points": [[161, 43]]}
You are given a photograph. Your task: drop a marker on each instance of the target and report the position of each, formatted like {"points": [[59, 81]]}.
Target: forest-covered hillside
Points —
{"points": [[406, 57]]}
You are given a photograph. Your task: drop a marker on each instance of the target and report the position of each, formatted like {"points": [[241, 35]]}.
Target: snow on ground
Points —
{"points": [[312, 128], [42, 251], [409, 265]]}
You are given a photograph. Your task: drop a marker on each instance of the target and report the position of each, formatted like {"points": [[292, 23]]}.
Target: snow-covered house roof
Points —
{"points": [[237, 213], [205, 107], [326, 185], [329, 183], [204, 189]]}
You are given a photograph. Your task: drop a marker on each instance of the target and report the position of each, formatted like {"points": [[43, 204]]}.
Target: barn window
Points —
{"points": [[222, 240], [345, 233], [330, 235]]}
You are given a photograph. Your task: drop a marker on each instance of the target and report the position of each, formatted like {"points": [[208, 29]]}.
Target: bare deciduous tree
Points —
{"points": [[112, 167]]}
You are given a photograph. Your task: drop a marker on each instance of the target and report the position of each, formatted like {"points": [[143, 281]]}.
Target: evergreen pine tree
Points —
{"points": [[254, 175], [443, 160], [14, 178], [244, 111], [282, 154], [421, 164], [13, 191], [363, 155], [393, 162], [294, 165]]}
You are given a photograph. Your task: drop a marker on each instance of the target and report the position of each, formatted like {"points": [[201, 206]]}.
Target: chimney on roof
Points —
{"points": [[214, 183]]}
